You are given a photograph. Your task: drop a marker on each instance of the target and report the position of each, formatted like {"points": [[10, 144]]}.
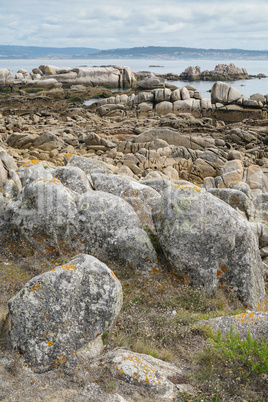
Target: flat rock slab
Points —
{"points": [[143, 371], [63, 310], [255, 322]]}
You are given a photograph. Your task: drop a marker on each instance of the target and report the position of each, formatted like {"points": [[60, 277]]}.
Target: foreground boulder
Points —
{"points": [[59, 312], [207, 241]]}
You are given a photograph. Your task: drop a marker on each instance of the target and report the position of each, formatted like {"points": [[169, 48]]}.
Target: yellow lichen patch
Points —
{"points": [[68, 267], [50, 343], [68, 155], [36, 287], [60, 360], [32, 162], [187, 187], [113, 275], [248, 318], [49, 180]]}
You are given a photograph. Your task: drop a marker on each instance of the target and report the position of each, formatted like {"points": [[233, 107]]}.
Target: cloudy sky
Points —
{"points": [[107, 24]]}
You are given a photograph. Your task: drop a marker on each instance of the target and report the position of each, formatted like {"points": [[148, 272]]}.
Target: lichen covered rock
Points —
{"points": [[140, 197], [109, 228], [207, 241], [135, 369], [63, 310], [46, 216]]}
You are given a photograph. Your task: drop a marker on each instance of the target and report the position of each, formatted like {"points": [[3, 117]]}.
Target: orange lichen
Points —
{"points": [[46, 335], [36, 287], [113, 275], [50, 343], [49, 180], [67, 267], [154, 271], [186, 279], [185, 187], [223, 268], [32, 162]]}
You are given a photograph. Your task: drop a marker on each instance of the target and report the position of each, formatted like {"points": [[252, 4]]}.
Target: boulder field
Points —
{"points": [[119, 185]]}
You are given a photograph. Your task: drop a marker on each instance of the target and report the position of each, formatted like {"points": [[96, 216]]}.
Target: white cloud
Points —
{"points": [[125, 23]]}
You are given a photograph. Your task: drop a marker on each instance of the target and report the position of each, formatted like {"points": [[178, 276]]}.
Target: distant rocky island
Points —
{"points": [[149, 52]]}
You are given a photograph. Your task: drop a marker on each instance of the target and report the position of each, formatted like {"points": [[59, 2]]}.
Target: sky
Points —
{"points": [[109, 24]]}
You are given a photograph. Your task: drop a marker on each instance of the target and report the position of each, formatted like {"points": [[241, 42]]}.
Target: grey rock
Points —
{"points": [[158, 184], [151, 82], [33, 172], [110, 229], [161, 95], [208, 241], [236, 199], [6, 76], [46, 217], [8, 161], [141, 197], [142, 371], [88, 164], [261, 208], [63, 310], [256, 322], [3, 176], [73, 178], [224, 93]]}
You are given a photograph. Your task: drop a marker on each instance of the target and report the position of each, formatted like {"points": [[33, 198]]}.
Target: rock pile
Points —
{"points": [[221, 72], [47, 77], [224, 100]]}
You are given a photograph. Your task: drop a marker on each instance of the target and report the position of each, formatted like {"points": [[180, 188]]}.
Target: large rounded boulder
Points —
{"points": [[207, 241], [61, 311], [140, 197], [46, 216], [110, 229]]}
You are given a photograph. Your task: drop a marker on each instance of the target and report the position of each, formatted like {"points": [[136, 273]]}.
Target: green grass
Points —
{"points": [[249, 352]]}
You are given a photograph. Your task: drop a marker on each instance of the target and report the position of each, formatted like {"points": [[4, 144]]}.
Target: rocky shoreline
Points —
{"points": [[89, 189]]}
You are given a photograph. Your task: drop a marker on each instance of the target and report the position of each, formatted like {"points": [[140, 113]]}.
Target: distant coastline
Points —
{"points": [[150, 52]]}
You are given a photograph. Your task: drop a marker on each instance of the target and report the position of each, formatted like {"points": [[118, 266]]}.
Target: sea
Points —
{"points": [[162, 66]]}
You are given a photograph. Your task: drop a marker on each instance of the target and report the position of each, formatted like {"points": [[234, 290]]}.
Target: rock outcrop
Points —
{"points": [[206, 241], [221, 72]]}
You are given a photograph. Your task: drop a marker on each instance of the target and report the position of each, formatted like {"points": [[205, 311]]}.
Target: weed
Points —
{"points": [[249, 352]]}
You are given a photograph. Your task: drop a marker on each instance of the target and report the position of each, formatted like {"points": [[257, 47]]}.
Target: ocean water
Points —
{"points": [[162, 66]]}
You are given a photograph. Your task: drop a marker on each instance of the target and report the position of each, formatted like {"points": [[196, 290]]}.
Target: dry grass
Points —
{"points": [[159, 317]]}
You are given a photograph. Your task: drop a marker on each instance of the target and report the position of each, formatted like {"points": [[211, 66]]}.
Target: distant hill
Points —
{"points": [[35, 52], [157, 52], [150, 52]]}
